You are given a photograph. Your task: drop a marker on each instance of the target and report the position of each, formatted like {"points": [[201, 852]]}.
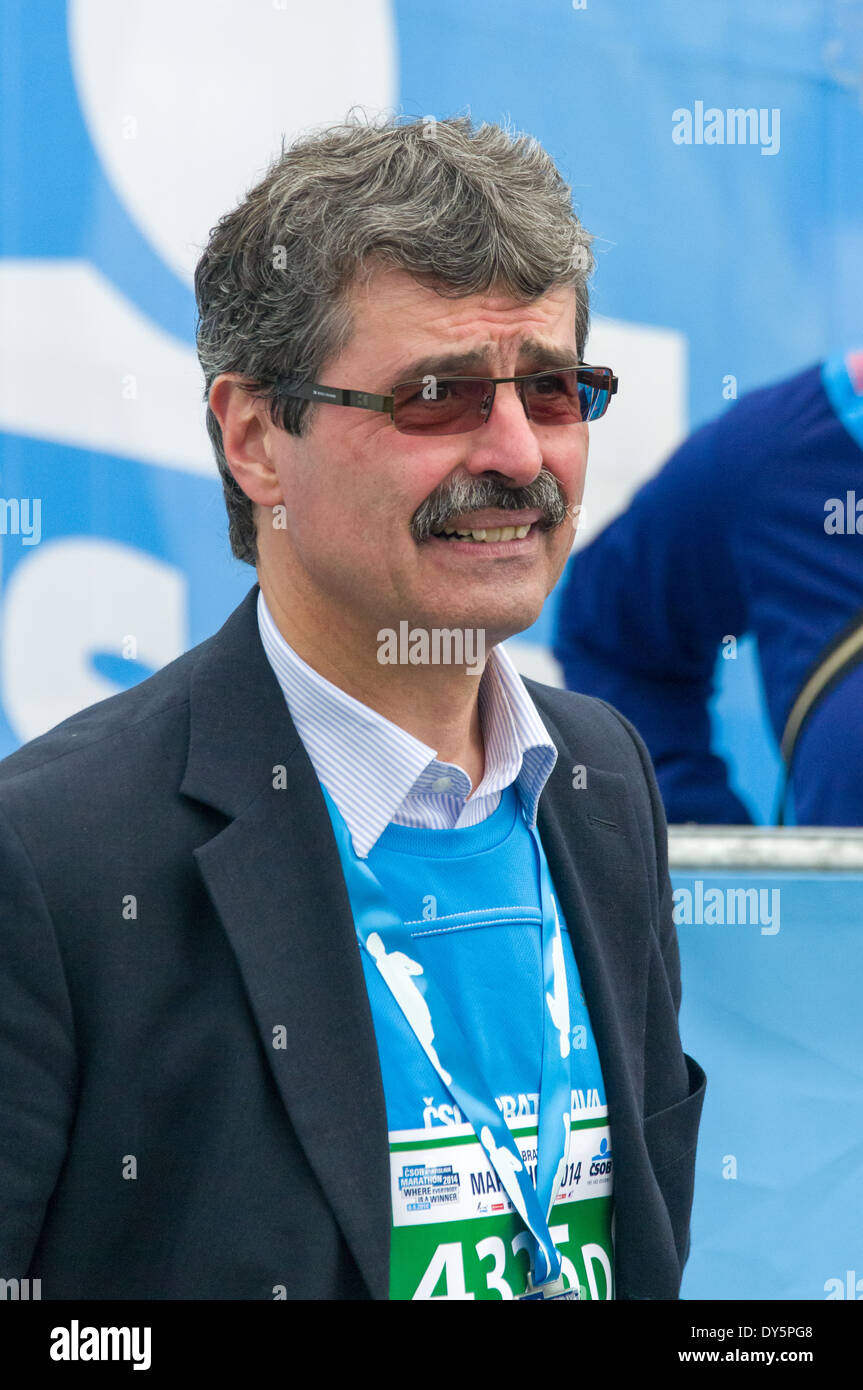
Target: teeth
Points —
{"points": [[490, 533]]}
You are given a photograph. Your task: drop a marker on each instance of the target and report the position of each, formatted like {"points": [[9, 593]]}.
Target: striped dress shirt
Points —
{"points": [[376, 772]]}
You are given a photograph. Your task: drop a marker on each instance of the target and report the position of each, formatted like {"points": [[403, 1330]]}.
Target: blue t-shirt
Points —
{"points": [[471, 905]]}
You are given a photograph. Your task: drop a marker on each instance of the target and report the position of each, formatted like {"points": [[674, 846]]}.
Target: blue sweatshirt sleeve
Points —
{"points": [[644, 609]]}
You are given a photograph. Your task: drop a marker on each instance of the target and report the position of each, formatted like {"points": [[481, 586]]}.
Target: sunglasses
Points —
{"points": [[459, 404]]}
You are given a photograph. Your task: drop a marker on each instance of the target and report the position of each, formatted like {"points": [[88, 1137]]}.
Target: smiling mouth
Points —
{"points": [[486, 534]]}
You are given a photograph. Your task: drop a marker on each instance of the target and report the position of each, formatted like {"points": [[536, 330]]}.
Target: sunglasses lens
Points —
{"points": [[595, 394], [561, 398], [437, 405], [456, 405]]}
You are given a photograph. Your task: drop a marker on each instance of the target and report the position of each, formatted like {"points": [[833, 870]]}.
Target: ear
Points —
{"points": [[247, 433]]}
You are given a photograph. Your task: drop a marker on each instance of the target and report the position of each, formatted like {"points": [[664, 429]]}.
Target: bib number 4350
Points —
{"points": [[447, 1267]]}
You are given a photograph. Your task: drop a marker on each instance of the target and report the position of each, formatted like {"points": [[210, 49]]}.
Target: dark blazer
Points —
{"points": [[164, 907]]}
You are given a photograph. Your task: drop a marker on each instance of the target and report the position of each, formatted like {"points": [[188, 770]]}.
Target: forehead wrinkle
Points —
{"points": [[533, 354]]}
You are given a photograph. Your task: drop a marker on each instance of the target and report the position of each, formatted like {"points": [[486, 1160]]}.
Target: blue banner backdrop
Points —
{"points": [[126, 130], [772, 982]]}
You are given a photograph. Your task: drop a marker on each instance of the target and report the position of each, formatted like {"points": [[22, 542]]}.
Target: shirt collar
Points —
{"points": [[371, 767]]}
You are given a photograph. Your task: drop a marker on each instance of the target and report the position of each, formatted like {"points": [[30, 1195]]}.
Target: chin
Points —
{"points": [[501, 626]]}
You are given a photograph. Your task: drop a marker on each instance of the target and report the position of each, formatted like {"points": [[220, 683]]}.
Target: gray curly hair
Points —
{"points": [[462, 209]]}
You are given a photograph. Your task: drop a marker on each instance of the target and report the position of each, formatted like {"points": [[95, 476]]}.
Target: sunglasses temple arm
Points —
{"points": [[334, 395]]}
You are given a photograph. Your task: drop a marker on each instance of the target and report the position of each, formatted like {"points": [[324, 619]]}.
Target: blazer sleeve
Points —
{"points": [[38, 1065]]}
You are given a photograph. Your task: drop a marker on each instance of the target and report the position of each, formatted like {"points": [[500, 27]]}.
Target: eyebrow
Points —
{"points": [[536, 355]]}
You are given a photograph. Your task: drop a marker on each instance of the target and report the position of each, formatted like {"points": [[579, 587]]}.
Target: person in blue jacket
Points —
{"points": [[754, 525]]}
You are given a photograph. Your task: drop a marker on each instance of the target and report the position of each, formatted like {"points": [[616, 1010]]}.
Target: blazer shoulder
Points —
{"points": [[594, 729], [599, 736]]}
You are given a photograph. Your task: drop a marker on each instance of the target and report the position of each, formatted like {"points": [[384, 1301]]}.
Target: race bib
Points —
{"points": [[456, 1235]]}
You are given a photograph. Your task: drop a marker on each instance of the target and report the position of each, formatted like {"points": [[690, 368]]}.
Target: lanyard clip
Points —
{"points": [[552, 1288]]}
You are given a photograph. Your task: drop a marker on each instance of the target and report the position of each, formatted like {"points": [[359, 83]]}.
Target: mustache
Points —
{"points": [[461, 495]]}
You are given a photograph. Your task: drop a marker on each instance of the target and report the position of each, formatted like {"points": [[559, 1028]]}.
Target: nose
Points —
{"points": [[506, 443]]}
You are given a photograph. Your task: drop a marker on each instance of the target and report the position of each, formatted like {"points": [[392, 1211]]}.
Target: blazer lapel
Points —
{"points": [[596, 861], [275, 878]]}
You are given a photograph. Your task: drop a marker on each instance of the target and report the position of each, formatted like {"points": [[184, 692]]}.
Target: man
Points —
{"points": [[752, 525], [339, 964]]}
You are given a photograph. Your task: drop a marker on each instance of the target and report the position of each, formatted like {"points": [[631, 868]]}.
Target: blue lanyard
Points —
{"points": [[381, 931]]}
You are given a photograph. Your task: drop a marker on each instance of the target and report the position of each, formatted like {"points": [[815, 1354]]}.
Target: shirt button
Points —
{"points": [[441, 784]]}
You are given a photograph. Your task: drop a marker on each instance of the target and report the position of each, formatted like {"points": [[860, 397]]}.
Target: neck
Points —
{"points": [[437, 704]]}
